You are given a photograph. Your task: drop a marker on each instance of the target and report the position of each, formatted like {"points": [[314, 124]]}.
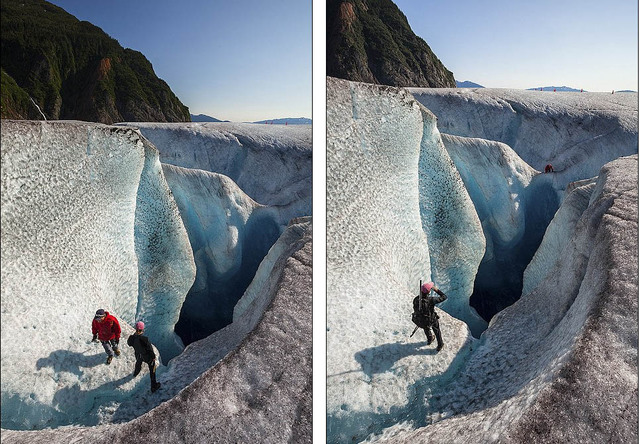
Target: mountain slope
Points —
{"points": [[74, 70], [371, 41]]}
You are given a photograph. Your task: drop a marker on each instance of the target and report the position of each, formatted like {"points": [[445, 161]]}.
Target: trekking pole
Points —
{"points": [[414, 331]]}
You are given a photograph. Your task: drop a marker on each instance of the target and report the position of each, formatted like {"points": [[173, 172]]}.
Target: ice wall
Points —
{"points": [[514, 203], [270, 163], [450, 221], [377, 252], [230, 234], [86, 223], [563, 360], [576, 132], [258, 392]]}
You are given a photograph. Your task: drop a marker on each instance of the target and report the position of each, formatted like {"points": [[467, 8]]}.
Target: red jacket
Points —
{"points": [[108, 329]]}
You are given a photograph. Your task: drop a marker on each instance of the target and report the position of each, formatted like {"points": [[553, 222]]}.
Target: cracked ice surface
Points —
{"points": [[377, 251], [87, 223], [270, 163]]}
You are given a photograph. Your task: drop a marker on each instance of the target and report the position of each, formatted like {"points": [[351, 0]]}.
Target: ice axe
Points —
{"points": [[420, 308]]}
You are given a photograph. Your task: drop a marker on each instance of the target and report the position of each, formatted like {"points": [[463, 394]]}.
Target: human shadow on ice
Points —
{"points": [[78, 403], [381, 358], [70, 362]]}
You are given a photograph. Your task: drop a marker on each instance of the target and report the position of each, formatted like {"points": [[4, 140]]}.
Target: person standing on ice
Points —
{"points": [[144, 353], [424, 314], [106, 328]]}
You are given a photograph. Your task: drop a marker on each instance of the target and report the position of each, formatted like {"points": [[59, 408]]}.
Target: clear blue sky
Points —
{"points": [[238, 60], [589, 44]]}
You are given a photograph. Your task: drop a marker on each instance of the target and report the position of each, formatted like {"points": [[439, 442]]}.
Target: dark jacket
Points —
{"points": [[108, 329], [142, 347], [428, 314]]}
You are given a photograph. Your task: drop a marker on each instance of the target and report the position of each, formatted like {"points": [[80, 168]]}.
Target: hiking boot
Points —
{"points": [[155, 387], [117, 351], [136, 373], [439, 347], [429, 340], [109, 359]]}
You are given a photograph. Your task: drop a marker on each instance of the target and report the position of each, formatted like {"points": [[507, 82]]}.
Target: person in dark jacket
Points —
{"points": [[144, 353], [424, 314], [106, 328]]}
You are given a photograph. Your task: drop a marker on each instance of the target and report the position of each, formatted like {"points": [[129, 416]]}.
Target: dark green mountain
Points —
{"points": [[73, 70], [371, 41]]}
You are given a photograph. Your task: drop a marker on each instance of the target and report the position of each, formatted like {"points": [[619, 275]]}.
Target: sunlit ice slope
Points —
{"points": [[393, 195]]}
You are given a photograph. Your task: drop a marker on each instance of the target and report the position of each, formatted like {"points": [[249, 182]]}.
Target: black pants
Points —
{"points": [[152, 370], [435, 326]]}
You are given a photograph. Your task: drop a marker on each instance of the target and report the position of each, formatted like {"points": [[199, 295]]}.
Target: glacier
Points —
{"points": [[576, 133], [92, 219], [565, 243]]}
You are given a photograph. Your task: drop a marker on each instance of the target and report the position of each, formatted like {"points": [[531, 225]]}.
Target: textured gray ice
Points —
{"points": [[112, 232], [377, 252], [87, 223], [270, 163]]}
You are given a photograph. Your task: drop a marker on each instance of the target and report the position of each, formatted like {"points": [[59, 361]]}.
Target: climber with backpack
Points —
{"points": [[424, 314], [144, 353]]}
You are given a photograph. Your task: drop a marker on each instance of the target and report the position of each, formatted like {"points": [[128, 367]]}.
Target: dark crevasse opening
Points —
{"points": [[207, 311], [498, 283]]}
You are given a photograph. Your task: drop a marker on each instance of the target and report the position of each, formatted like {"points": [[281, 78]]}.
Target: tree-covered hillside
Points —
{"points": [[73, 70], [371, 41]]}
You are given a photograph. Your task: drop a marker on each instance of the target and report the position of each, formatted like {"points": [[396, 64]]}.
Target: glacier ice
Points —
{"points": [[524, 364], [230, 234], [563, 360], [272, 164], [71, 243], [260, 392], [576, 132], [223, 224], [377, 252]]}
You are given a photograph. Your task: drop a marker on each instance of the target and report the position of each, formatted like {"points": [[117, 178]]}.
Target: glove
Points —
{"points": [[95, 338]]}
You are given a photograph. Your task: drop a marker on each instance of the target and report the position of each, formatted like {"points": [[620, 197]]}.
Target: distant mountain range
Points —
{"points": [[56, 65], [467, 84], [205, 118], [372, 42], [289, 121]]}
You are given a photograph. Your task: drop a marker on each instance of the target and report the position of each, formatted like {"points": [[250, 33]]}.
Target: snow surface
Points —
{"points": [[270, 163], [75, 238], [377, 253]]}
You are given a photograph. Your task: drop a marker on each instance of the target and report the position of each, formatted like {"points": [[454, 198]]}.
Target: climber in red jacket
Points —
{"points": [[106, 328]]}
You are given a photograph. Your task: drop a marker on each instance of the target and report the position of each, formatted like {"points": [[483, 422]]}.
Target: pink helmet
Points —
{"points": [[426, 288], [139, 325]]}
